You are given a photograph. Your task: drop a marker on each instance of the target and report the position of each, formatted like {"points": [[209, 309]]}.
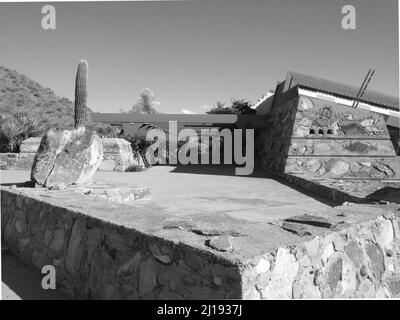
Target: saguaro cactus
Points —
{"points": [[81, 93]]}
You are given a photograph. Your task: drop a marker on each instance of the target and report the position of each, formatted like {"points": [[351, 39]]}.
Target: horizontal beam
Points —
{"points": [[184, 119]]}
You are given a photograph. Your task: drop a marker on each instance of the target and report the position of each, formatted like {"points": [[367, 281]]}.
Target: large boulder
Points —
{"points": [[68, 157]]}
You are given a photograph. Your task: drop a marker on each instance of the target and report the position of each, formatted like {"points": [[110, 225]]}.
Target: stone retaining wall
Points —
{"points": [[272, 143], [361, 261], [337, 141], [22, 160], [344, 167], [324, 139], [350, 251], [98, 260]]}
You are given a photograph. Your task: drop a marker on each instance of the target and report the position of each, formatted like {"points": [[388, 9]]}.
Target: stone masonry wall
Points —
{"points": [[359, 261], [351, 251], [335, 141], [273, 142], [98, 260], [323, 139]]}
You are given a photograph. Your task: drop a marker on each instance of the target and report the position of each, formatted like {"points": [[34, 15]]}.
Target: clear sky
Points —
{"points": [[193, 53]]}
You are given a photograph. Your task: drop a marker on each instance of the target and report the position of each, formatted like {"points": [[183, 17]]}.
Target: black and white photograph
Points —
{"points": [[208, 152]]}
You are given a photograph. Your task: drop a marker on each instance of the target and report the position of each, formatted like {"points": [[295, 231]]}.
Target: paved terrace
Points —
{"points": [[214, 192], [203, 198]]}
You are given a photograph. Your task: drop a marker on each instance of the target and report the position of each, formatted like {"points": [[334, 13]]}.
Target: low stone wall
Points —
{"points": [[337, 167], [105, 250], [273, 142], [95, 259], [340, 191], [22, 161], [327, 189], [361, 261]]}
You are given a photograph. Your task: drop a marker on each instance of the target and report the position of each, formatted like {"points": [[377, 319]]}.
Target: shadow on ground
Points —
{"points": [[21, 282], [221, 170], [26, 184], [390, 194]]}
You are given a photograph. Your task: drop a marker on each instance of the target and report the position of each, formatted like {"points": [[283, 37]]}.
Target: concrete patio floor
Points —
{"points": [[190, 191]]}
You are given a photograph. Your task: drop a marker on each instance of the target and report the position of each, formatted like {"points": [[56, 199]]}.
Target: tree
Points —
{"points": [[242, 107], [146, 103], [239, 106], [221, 108]]}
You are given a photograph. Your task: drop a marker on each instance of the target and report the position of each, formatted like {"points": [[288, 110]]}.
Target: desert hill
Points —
{"points": [[17, 91]]}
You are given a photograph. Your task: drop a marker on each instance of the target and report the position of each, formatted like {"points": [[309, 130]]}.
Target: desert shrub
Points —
{"points": [[17, 126], [8, 130]]}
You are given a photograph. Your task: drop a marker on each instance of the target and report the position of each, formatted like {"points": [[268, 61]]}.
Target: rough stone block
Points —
{"points": [[77, 163], [67, 157], [30, 145], [118, 156]]}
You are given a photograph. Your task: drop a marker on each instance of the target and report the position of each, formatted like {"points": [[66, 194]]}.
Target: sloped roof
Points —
{"points": [[343, 90]]}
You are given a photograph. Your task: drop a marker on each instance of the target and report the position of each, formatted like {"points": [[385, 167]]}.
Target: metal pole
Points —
{"points": [[362, 85], [365, 88]]}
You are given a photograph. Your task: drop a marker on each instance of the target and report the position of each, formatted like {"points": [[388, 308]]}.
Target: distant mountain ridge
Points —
{"points": [[19, 91]]}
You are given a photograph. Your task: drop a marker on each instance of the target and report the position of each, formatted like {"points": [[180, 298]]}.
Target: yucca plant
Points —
{"points": [[17, 126], [139, 144], [30, 125], [9, 130]]}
